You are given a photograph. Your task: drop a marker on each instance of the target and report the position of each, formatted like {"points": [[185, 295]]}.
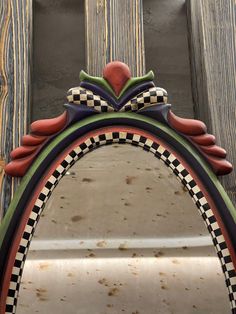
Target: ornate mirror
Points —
{"points": [[142, 214]]}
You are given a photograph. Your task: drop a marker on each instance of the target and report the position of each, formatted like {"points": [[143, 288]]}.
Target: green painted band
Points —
{"points": [[103, 83]]}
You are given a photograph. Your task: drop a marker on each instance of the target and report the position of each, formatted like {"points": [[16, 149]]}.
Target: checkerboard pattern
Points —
{"points": [[152, 96], [161, 153], [81, 96]]}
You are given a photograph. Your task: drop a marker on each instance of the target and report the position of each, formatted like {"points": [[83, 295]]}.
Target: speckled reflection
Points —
{"points": [[121, 237]]}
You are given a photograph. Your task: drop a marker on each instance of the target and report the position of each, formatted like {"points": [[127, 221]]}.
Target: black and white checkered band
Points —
{"points": [[152, 96], [81, 96], [161, 153]]}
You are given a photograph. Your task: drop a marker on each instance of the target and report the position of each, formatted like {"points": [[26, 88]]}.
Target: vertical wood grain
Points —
{"points": [[114, 31], [15, 56], [213, 60]]}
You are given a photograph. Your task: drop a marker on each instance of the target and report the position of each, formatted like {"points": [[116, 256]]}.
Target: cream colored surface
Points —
{"points": [[124, 284], [130, 194], [115, 212]]}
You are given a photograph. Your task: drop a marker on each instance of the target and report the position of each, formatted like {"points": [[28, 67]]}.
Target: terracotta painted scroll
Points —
{"points": [[117, 91]]}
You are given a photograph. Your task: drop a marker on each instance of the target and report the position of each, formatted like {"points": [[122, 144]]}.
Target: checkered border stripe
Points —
{"points": [[82, 96], [161, 153], [152, 96]]}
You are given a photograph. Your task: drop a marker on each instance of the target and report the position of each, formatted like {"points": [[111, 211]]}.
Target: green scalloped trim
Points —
{"points": [[103, 83], [6, 221], [135, 80], [97, 80]]}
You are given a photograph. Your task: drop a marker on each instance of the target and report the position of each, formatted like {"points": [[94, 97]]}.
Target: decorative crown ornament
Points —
{"points": [[116, 91]]}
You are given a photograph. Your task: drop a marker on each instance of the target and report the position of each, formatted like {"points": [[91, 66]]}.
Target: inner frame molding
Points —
{"points": [[102, 111]]}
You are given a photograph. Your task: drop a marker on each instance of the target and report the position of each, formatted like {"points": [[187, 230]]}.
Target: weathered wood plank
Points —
{"points": [[59, 44], [213, 59], [114, 31], [167, 53], [15, 56]]}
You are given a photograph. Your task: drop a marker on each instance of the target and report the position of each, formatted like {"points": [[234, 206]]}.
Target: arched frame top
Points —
{"points": [[204, 187]]}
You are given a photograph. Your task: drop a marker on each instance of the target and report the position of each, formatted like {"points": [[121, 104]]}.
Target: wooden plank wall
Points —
{"points": [[59, 54], [213, 60], [15, 56], [167, 53], [114, 31]]}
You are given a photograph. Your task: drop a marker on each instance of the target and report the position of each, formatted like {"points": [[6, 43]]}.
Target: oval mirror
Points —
{"points": [[121, 236]]}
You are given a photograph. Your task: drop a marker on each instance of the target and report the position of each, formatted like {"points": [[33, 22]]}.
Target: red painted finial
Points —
{"points": [[117, 74]]}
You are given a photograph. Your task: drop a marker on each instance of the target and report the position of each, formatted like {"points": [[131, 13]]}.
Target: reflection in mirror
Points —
{"points": [[120, 234]]}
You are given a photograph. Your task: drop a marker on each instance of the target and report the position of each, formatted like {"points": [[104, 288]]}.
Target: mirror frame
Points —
{"points": [[54, 145]]}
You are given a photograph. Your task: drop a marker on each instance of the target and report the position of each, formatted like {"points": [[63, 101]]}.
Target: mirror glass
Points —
{"points": [[120, 234]]}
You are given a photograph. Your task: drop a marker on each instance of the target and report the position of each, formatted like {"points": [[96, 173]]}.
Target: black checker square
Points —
{"points": [[56, 174], [72, 154], [140, 106], [31, 222], [223, 246], [160, 99], [147, 99], [128, 108], [102, 137], [129, 136], [11, 293], [227, 259], [232, 274], [76, 97], [22, 249], [14, 277], [49, 185], [64, 163], [97, 103], [83, 146], [199, 194], [36, 209], [42, 196], [9, 308], [17, 264], [192, 184], [26, 235], [234, 287], [103, 109], [184, 173], [155, 146], [142, 139], [218, 232]]}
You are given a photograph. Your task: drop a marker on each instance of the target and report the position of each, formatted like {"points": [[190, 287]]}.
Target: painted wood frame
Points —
{"points": [[15, 87], [115, 108]]}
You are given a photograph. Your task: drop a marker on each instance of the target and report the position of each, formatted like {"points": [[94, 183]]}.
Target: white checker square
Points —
{"points": [[60, 169], [39, 203], [161, 149], [180, 168], [109, 136], [149, 142], [136, 138], [188, 178], [153, 99]]}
